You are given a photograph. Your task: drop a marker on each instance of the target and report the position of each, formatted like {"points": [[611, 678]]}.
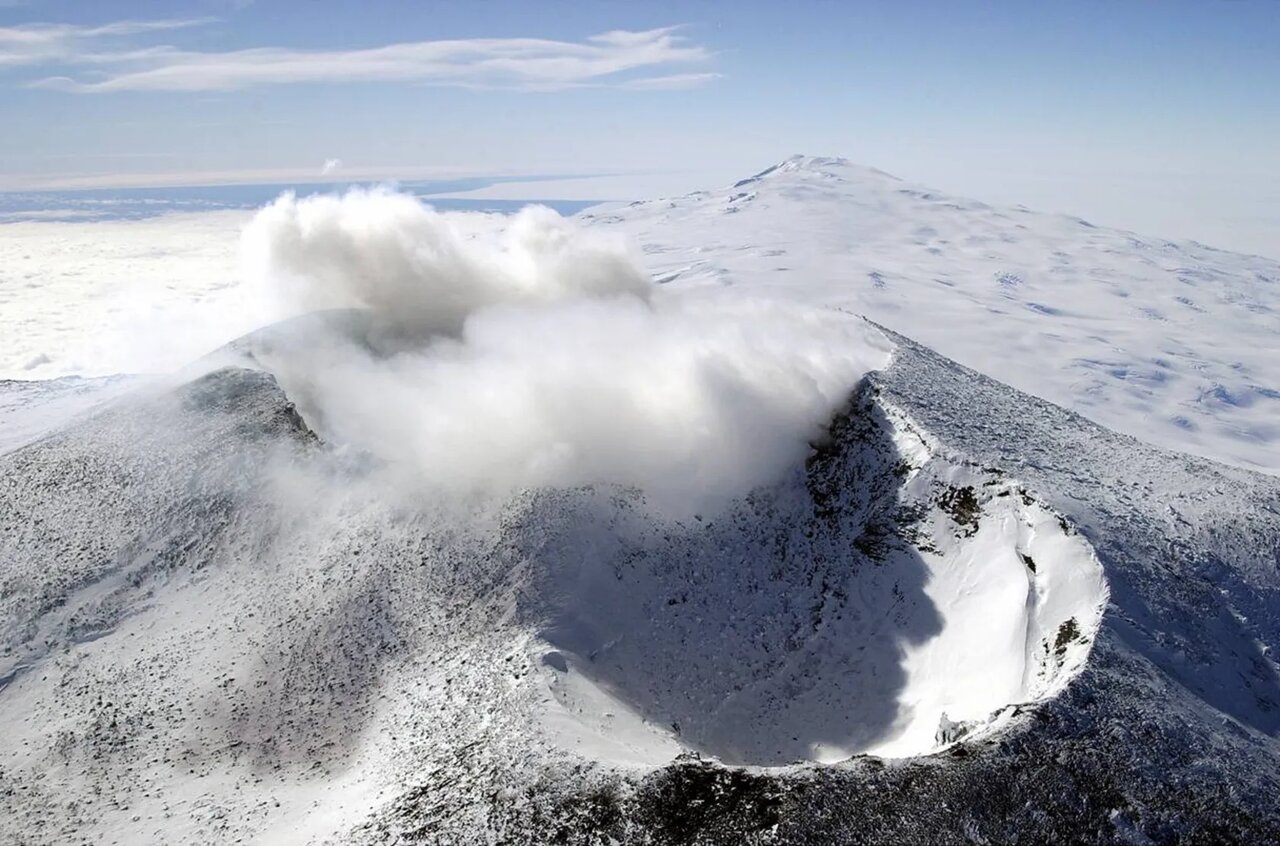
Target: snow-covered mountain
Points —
{"points": [[1174, 343], [955, 613], [217, 628]]}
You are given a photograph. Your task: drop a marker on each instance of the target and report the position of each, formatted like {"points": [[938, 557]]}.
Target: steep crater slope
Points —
{"points": [[888, 599], [1169, 734], [216, 625]]}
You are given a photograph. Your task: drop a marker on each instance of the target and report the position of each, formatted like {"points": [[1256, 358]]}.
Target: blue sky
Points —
{"points": [[1162, 116]]}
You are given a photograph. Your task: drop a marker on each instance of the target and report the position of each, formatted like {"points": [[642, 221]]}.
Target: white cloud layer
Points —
{"points": [[619, 58], [118, 296]]}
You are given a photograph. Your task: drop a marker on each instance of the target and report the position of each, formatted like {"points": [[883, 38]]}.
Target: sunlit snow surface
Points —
{"points": [[1175, 343]]}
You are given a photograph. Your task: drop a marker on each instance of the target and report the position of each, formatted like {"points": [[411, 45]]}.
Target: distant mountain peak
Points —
{"points": [[834, 167], [802, 162]]}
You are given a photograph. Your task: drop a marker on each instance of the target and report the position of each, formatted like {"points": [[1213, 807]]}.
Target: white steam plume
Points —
{"points": [[425, 270], [545, 357]]}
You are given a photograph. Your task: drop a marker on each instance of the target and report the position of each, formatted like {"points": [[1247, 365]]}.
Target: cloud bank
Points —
{"points": [[543, 356], [638, 60]]}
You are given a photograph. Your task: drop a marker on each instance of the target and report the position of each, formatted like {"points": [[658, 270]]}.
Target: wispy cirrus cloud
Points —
{"points": [[97, 62], [41, 43]]}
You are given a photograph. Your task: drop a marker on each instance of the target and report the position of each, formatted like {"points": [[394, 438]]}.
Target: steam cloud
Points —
{"points": [[542, 355], [424, 270]]}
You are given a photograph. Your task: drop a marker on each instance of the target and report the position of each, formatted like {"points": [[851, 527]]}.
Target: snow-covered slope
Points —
{"points": [[29, 410], [1174, 343]]}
